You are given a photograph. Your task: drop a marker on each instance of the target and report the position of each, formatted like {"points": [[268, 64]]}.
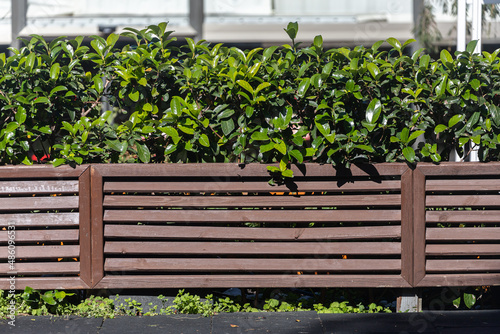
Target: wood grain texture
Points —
{"points": [[438, 280], [242, 216], [97, 228], [463, 234], [84, 208], [463, 185], [43, 268], [419, 220], [207, 186], [463, 266], [462, 249], [42, 236], [254, 233], [40, 171], [38, 203], [462, 201], [120, 201], [247, 265], [253, 281], [244, 170], [42, 252], [45, 283], [407, 227], [459, 169], [38, 187], [474, 216], [39, 219], [255, 248]]}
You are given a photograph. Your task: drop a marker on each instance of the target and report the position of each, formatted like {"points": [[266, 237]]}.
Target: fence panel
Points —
{"points": [[45, 227], [223, 225], [462, 224]]}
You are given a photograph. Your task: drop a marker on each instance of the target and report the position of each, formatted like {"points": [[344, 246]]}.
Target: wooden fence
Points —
{"points": [[223, 225]]}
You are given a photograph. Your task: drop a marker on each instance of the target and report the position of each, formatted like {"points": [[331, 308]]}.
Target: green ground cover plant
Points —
{"points": [[63, 102]]}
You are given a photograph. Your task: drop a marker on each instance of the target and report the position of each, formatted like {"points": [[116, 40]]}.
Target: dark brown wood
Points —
{"points": [[464, 216], [463, 185], [242, 170], [42, 252], [462, 200], [241, 216], [462, 249], [45, 283], [254, 281], [43, 268], [38, 187], [245, 264], [97, 228], [255, 248], [84, 209], [462, 279], [463, 266], [254, 233], [460, 169], [262, 186], [463, 234], [418, 226], [118, 201], [40, 219], [40, 171], [38, 203], [42, 236], [407, 236]]}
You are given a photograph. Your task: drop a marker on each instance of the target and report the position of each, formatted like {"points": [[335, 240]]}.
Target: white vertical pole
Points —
{"points": [[461, 25], [477, 6], [197, 17], [18, 20]]}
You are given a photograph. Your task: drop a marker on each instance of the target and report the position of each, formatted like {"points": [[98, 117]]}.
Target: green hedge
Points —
{"points": [[208, 103]]}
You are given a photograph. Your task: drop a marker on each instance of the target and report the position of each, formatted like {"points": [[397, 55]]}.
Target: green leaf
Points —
{"points": [[415, 135], [54, 71], [303, 87], [20, 115], [58, 89], [58, 162], [143, 153], [374, 70], [227, 126], [409, 154], [455, 119], [280, 147], [441, 86], [292, 29], [440, 128], [203, 140], [297, 155], [176, 105], [471, 46], [134, 96], [365, 148], [318, 41], [41, 99], [373, 111], [260, 136], [246, 86], [117, 145], [394, 43], [446, 57], [469, 300]]}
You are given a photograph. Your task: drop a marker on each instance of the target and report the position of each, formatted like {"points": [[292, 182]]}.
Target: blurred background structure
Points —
{"points": [[245, 23]]}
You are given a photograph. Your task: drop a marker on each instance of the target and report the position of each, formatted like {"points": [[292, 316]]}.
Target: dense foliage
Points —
{"points": [[211, 103]]}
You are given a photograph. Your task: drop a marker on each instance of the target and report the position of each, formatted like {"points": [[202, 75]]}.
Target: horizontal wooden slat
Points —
{"points": [[218, 265], [241, 186], [38, 187], [40, 219], [461, 169], [254, 281], [256, 248], [45, 283], [462, 200], [252, 201], [460, 234], [41, 171], [38, 203], [462, 185], [244, 170], [463, 249], [475, 265], [41, 235], [42, 252], [271, 216], [254, 233], [42, 268], [463, 216], [437, 280]]}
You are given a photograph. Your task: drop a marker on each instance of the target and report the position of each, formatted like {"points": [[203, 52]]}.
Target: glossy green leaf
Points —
{"points": [[143, 153], [455, 119], [373, 111], [203, 140], [409, 154]]}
